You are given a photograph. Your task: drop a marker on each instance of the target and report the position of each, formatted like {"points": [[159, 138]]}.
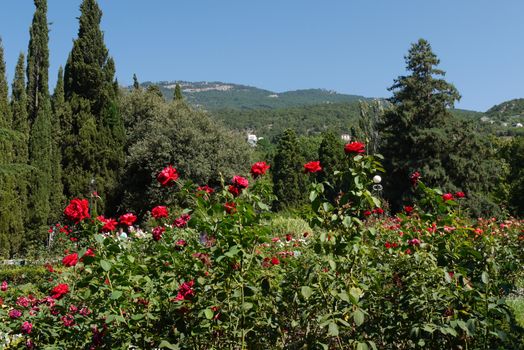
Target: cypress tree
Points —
{"points": [[136, 84], [41, 144], [91, 90], [287, 171], [331, 157], [178, 93]]}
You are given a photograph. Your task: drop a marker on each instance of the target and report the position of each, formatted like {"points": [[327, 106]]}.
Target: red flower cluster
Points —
{"points": [[159, 212], [109, 224], [26, 327], [59, 291], [312, 167], [181, 222], [230, 207], [389, 245], [186, 291], [238, 183], [127, 219], [70, 260], [354, 147], [259, 169], [414, 178], [205, 189], [77, 210], [235, 191], [167, 176]]}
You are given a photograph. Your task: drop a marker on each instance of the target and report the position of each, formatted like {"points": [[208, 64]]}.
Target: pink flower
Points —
{"points": [[312, 167], [354, 147], [3, 287], [159, 212], [22, 301], [26, 327], [414, 241], [167, 176], [68, 320], [181, 222], [447, 197], [414, 178], [158, 232], [14, 314], [127, 219], [259, 169]]}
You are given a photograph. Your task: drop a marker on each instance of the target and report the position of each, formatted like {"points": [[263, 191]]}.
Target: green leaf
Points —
{"points": [[137, 317], [263, 206], [99, 239], [247, 306], [166, 344], [344, 296], [106, 265], [358, 317], [332, 264], [333, 329], [485, 277], [362, 346], [116, 294], [209, 314], [131, 258], [312, 196], [306, 292]]}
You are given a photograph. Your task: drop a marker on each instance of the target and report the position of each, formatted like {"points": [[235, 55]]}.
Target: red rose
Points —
{"points": [[70, 260], [367, 213], [235, 191], [77, 210], [460, 194], [312, 167], [3, 288], [90, 252], [181, 222], [379, 211], [447, 196], [127, 219], [408, 209], [230, 207], [167, 176], [240, 182], [275, 261], [59, 291], [259, 169], [185, 291], [414, 178], [26, 327], [354, 147], [109, 224], [157, 232], [159, 212]]}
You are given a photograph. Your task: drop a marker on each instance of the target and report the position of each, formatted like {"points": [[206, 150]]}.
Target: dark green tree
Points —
{"points": [[178, 93], [136, 84], [420, 134], [288, 173], [331, 157], [515, 157], [96, 149]]}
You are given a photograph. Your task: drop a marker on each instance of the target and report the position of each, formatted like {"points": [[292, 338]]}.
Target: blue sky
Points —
{"points": [[351, 46]]}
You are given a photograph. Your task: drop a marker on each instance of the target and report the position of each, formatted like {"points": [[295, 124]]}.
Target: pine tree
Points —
{"points": [[420, 134], [287, 171], [136, 84], [41, 144], [178, 93], [91, 91], [331, 157]]}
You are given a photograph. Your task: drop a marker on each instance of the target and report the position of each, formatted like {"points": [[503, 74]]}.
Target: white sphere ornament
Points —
{"points": [[377, 179]]}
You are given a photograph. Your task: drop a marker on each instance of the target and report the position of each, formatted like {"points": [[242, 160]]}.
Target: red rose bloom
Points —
{"points": [[59, 291], [354, 147], [159, 212], [235, 191], [167, 176], [414, 178], [447, 196], [367, 213], [312, 167], [127, 219], [205, 189], [259, 169], [185, 291], [158, 232], [408, 209], [460, 194], [77, 210], [181, 222], [275, 261], [90, 252], [240, 182], [26, 327], [230, 207], [3, 287], [70, 260], [109, 224]]}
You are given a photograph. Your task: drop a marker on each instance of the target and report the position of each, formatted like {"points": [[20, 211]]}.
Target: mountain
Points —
{"points": [[509, 111], [219, 95]]}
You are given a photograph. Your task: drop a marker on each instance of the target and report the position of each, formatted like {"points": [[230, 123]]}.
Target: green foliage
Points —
{"points": [[160, 133], [178, 93], [514, 154], [18, 275], [331, 157], [289, 182]]}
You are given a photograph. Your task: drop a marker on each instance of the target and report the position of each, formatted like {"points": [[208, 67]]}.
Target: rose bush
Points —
{"points": [[218, 275]]}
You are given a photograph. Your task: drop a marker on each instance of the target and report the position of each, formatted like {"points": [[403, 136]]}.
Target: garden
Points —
{"points": [[218, 269]]}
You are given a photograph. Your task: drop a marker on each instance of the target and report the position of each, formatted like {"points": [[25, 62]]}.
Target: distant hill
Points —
{"points": [[219, 95], [510, 111]]}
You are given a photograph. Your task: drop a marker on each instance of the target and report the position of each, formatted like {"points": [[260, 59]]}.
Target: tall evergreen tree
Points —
{"points": [[178, 93], [420, 134], [96, 150], [41, 145], [136, 84], [331, 157], [288, 172]]}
